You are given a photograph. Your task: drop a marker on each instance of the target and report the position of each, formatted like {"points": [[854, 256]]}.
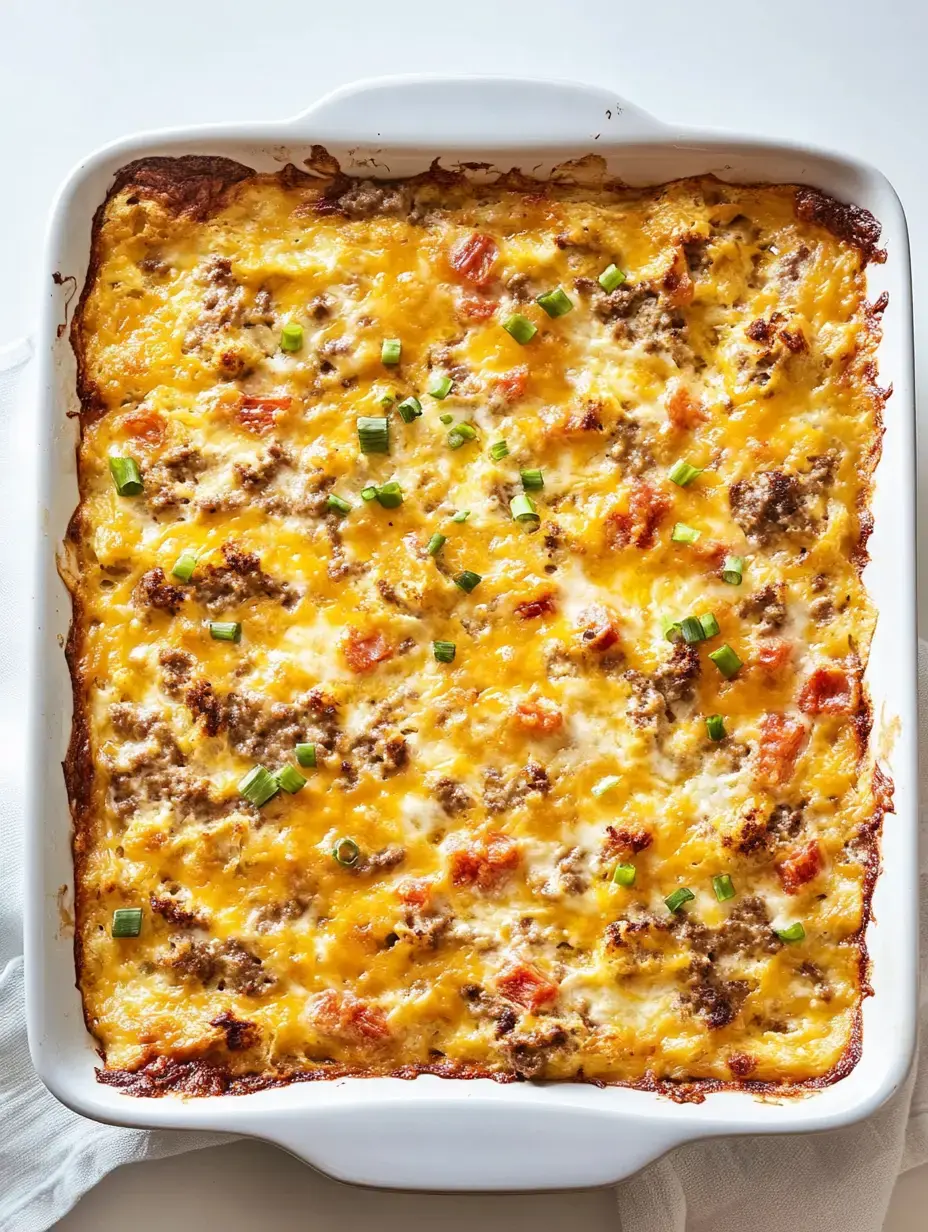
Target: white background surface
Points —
{"points": [[74, 74]]}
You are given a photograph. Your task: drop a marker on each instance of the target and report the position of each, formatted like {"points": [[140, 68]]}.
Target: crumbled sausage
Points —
{"points": [[627, 448], [153, 590], [364, 199], [168, 907], [171, 480], [767, 606], [268, 731], [453, 796], [203, 704], [676, 678], [718, 1000], [226, 964], [149, 767], [241, 579], [768, 504], [176, 669], [530, 1052]]}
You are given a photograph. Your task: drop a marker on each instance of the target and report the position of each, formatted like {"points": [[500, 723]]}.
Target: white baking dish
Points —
{"points": [[435, 1133]]}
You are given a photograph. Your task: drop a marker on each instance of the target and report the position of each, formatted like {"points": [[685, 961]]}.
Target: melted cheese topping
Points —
{"points": [[491, 798]]}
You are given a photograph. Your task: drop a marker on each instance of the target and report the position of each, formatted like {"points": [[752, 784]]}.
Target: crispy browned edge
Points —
{"points": [[197, 187]]}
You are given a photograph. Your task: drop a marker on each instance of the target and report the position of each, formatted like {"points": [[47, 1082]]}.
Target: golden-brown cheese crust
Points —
{"points": [[481, 932]]}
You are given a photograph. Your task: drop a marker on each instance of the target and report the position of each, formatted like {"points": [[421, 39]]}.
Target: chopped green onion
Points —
{"points": [[291, 337], [467, 580], [436, 543], [445, 419], [390, 351], [682, 473], [624, 875], [520, 328], [461, 516], [337, 504], [410, 409], [444, 651], [691, 630], [555, 303], [390, 495], [499, 450], [715, 726], [374, 434], [723, 887], [610, 278], [306, 755], [460, 433], [682, 533], [258, 786], [387, 400], [532, 481], [732, 569], [185, 565], [680, 896], [673, 629], [710, 626], [523, 508], [127, 921], [225, 630], [604, 785], [346, 852], [369, 493], [291, 780], [795, 932], [126, 476], [440, 386], [726, 661]]}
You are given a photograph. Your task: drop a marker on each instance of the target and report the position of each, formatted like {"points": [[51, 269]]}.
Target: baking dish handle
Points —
{"points": [[473, 112]]}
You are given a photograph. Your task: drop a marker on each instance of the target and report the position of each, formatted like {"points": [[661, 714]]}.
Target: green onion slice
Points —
{"points": [[445, 419], [795, 932], [624, 875], [680, 896], [555, 303], [225, 630], [440, 386], [726, 661], [291, 780], [673, 629], [532, 480], [682, 533], [185, 565], [126, 476], [444, 651], [346, 852], [691, 630], [682, 473], [723, 887], [258, 786], [387, 400], [337, 504], [127, 921], [520, 328], [732, 569], [499, 450], [610, 278], [467, 580], [436, 543], [390, 351], [460, 433], [369, 493], [604, 785], [374, 433], [306, 755], [390, 495], [291, 337], [710, 626], [523, 508], [715, 726], [410, 409], [461, 516]]}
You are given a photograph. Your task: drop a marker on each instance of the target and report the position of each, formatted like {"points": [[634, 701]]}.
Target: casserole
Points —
{"points": [[541, 1121]]}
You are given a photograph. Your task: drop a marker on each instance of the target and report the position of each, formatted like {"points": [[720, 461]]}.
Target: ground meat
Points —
{"points": [[428, 924], [176, 670], [501, 794], [453, 796], [364, 199], [268, 919], [240, 1034], [571, 876], [676, 678], [485, 1005], [222, 305], [268, 731], [253, 476], [776, 502], [812, 971], [559, 662], [767, 606], [627, 448], [204, 704], [170, 909], [647, 706], [227, 964], [641, 314], [240, 580], [153, 590], [150, 768], [380, 861], [171, 480], [530, 1052], [718, 1001]]}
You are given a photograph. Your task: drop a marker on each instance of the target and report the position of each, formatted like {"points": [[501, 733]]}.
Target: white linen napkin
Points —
{"points": [[837, 1182]]}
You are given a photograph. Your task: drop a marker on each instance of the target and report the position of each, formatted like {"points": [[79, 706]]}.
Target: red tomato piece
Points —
{"points": [[781, 741], [526, 986], [541, 716], [598, 629], [348, 1017], [800, 867], [647, 508], [829, 690], [683, 410], [541, 605], [485, 862], [260, 414], [363, 651], [473, 308], [512, 384], [473, 258]]}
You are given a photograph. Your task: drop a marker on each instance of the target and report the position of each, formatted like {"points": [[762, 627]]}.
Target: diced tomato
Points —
{"points": [[646, 510], [526, 986], [473, 308], [485, 862], [541, 716], [830, 690], [773, 655], [415, 890], [800, 867], [144, 424], [781, 741], [541, 605], [683, 410], [512, 384], [473, 258], [260, 414], [363, 651], [598, 628], [348, 1017], [711, 552]]}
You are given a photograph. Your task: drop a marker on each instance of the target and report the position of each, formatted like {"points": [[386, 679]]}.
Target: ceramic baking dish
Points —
{"points": [[435, 1133]]}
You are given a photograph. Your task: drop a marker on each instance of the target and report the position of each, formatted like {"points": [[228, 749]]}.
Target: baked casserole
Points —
{"points": [[469, 633]]}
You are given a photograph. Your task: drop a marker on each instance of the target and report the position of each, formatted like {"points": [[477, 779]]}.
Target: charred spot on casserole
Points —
{"points": [[411, 690]]}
